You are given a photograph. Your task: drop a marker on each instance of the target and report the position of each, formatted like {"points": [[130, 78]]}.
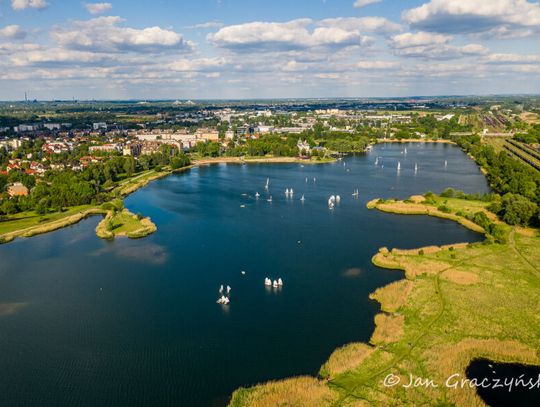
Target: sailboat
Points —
{"points": [[405, 152], [291, 192], [302, 199], [267, 281], [445, 164], [223, 300], [415, 168], [338, 199], [399, 166], [228, 289], [275, 284], [331, 202], [267, 183], [280, 282], [377, 161], [270, 199], [355, 193], [257, 195], [287, 192], [221, 289]]}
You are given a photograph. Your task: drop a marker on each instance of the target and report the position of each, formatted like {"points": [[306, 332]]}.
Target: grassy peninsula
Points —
{"points": [[457, 303], [124, 223]]}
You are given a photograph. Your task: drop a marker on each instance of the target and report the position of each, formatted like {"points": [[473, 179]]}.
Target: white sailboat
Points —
{"points": [[377, 161], [267, 281], [405, 152], [355, 193], [445, 164], [338, 199], [275, 284], [257, 195], [399, 166], [302, 199], [267, 183], [228, 289], [270, 199], [331, 202], [280, 282], [415, 168], [221, 289], [291, 192], [287, 192], [223, 300]]}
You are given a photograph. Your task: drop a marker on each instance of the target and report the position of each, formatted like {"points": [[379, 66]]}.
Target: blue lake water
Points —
{"points": [[135, 322]]}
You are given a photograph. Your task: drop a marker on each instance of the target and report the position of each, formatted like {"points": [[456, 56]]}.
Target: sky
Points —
{"points": [[248, 49]]}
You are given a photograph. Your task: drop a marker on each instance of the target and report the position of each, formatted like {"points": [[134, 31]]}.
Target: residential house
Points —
{"points": [[17, 189]]}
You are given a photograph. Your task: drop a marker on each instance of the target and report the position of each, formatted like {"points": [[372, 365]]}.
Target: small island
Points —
{"points": [[119, 221]]}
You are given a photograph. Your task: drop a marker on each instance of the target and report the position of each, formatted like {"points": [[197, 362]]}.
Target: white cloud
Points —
{"points": [[10, 48], [208, 25], [294, 66], [407, 40], [431, 46], [512, 59], [198, 65], [12, 32], [54, 56], [97, 8], [295, 34], [364, 3], [377, 25], [377, 65], [24, 4], [103, 34], [474, 16]]}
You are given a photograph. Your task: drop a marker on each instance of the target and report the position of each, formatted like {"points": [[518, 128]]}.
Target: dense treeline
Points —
{"points": [[531, 137], [516, 183], [95, 184]]}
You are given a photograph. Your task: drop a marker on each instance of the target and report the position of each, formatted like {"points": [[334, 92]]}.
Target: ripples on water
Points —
{"points": [[134, 322]]}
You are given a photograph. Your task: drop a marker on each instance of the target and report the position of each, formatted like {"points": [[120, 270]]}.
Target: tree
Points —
{"points": [[8, 207], [129, 166], [517, 210], [3, 182]]}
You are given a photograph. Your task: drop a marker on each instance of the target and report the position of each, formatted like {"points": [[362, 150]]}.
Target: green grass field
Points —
{"points": [[457, 303], [25, 220], [124, 223]]}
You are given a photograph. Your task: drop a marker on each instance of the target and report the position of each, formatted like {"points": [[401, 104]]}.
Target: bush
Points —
{"points": [[107, 206], [518, 210], [444, 208], [498, 232], [448, 193], [482, 220]]}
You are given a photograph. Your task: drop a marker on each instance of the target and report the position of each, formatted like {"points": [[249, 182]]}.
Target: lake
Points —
{"points": [[135, 322], [506, 384]]}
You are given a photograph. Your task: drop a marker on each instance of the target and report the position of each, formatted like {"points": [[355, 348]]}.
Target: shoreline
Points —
{"points": [[351, 370], [415, 140], [132, 185]]}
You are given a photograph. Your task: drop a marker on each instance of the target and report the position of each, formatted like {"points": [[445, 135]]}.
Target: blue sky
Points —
{"points": [[267, 49]]}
